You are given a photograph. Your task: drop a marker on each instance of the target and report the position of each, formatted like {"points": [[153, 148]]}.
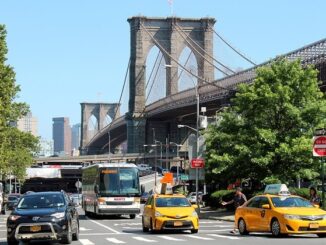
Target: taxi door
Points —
{"points": [[252, 214], [148, 211], [264, 215]]}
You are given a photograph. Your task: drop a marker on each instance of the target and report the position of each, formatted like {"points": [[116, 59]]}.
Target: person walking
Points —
{"points": [[238, 200], [314, 198]]}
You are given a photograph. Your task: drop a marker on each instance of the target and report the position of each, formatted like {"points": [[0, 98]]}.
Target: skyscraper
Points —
{"points": [[61, 135], [28, 123], [75, 136]]}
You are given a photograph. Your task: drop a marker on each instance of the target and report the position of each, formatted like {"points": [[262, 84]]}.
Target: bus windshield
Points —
{"points": [[119, 181]]}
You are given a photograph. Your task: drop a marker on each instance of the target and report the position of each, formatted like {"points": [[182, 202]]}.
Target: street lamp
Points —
{"points": [[178, 164]]}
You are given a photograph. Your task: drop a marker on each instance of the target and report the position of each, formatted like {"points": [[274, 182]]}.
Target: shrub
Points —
{"points": [[218, 197]]}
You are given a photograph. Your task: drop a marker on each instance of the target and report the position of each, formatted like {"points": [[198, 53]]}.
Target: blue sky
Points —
{"points": [[67, 52]]}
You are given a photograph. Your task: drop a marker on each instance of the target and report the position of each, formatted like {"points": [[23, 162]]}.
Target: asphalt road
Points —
{"points": [[122, 230]]}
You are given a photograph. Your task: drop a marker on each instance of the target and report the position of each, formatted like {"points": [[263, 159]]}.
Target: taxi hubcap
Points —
{"points": [[241, 226], [276, 228]]}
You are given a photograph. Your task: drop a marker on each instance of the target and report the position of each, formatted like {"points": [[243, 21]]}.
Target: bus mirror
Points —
{"points": [[96, 189], [142, 189]]}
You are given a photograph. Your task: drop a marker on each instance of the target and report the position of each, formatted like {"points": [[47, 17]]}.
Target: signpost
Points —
{"points": [[319, 150]]}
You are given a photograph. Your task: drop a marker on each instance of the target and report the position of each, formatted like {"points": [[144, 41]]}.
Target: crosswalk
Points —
{"points": [[159, 239]]}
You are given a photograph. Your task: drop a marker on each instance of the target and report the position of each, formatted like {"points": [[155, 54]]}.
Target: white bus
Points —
{"points": [[111, 189]]}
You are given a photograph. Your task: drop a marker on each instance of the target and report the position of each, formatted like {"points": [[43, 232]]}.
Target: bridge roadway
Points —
{"points": [[213, 97]]}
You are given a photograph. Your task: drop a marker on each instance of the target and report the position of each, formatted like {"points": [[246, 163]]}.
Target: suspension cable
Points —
{"points": [[150, 76], [152, 85], [220, 63], [229, 45]]}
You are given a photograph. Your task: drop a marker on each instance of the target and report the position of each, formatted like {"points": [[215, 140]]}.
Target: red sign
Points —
{"points": [[319, 149], [197, 163]]}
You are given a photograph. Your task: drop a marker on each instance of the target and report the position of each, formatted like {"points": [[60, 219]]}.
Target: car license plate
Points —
{"points": [[313, 225], [35, 228], [178, 223]]}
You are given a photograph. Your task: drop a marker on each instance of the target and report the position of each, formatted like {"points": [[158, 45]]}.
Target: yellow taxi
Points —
{"points": [[169, 212], [280, 213]]}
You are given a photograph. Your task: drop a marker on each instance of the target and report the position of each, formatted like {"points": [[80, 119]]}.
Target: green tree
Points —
{"points": [[267, 132], [16, 147]]}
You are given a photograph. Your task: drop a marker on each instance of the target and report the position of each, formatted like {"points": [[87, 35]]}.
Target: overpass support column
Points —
{"points": [[136, 134]]}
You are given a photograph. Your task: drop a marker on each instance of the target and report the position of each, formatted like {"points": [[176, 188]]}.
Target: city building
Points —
{"points": [[75, 136], [61, 135], [28, 123], [46, 148]]}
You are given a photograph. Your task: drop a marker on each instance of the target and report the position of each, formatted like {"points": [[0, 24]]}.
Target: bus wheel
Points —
{"points": [[132, 216]]}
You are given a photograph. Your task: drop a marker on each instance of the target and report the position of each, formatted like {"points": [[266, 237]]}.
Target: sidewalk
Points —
{"points": [[216, 214]]}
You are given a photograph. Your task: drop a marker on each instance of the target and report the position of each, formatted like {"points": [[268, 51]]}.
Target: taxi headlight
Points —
{"points": [[58, 215], [194, 214], [14, 217], [292, 217], [158, 214]]}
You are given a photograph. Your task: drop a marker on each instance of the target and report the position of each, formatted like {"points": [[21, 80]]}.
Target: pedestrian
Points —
{"points": [[314, 198], [238, 200]]}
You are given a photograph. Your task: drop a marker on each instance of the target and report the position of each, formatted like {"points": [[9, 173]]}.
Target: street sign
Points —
{"points": [[197, 163], [320, 131], [184, 177], [319, 148], [78, 184]]}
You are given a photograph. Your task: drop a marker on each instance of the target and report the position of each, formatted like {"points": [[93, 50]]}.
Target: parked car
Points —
{"points": [[43, 216], [12, 200]]}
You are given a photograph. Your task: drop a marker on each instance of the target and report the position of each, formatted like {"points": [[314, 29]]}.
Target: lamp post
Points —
{"points": [[155, 164], [178, 164], [109, 146]]}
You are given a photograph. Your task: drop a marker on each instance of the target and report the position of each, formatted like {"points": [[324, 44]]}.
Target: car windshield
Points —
{"points": [[289, 202], [41, 201], [172, 202]]}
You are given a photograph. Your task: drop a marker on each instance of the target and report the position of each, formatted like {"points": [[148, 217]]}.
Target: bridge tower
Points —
{"points": [[100, 111], [168, 35]]}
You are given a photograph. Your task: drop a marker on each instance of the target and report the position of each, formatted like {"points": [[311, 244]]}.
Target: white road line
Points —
{"points": [[98, 234], [171, 238], [222, 236], [85, 242], [84, 229], [106, 227], [139, 238], [200, 238], [129, 224], [3, 230], [114, 240], [209, 222], [130, 228], [208, 231], [211, 226]]}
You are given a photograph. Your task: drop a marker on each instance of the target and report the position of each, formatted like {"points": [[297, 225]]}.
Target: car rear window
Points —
{"points": [[41, 201]]}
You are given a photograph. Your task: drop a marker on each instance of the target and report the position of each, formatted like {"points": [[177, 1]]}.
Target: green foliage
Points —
{"points": [[16, 147], [302, 192], [271, 180], [218, 197], [268, 129]]}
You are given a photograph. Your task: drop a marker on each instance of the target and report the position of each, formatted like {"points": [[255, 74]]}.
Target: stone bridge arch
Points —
{"points": [[100, 112]]}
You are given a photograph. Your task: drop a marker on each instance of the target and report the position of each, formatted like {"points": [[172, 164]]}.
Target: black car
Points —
{"points": [[12, 201], [43, 216]]}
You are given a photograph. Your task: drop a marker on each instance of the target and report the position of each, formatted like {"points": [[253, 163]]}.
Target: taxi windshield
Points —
{"points": [[172, 202], [289, 202]]}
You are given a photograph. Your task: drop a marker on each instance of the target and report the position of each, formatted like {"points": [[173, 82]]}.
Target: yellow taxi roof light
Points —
{"points": [[277, 189]]}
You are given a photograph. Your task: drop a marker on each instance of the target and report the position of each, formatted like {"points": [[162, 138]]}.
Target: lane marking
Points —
{"points": [[132, 224], [114, 240], [220, 226], [104, 226], [139, 238], [210, 222], [208, 231], [222, 236], [84, 229], [85, 242], [172, 238], [99, 234], [200, 238]]}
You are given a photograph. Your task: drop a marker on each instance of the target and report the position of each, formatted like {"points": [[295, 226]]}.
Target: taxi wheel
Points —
{"points": [[276, 228], [145, 229], [132, 216], [194, 230], [242, 227], [321, 235]]}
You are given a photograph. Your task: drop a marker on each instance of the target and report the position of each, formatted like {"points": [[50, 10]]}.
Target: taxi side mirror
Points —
{"points": [[266, 206], [195, 206], [148, 206], [316, 206]]}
